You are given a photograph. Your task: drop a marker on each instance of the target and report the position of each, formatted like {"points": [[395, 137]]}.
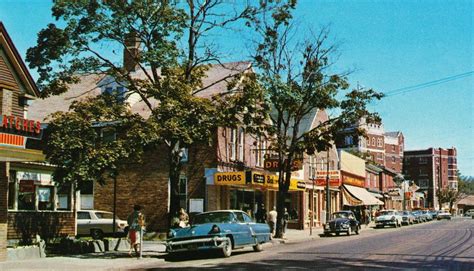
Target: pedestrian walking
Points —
{"points": [[367, 217], [272, 219], [136, 222], [261, 214], [286, 217]]}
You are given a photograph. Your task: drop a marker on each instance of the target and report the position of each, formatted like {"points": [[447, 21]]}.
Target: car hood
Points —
{"points": [[338, 221], [195, 230]]}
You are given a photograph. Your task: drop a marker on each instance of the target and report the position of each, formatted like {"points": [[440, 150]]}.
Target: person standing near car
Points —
{"points": [[272, 219], [183, 218], [136, 222]]}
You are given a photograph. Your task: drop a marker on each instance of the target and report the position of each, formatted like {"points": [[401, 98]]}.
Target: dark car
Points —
{"points": [[419, 216], [221, 231], [342, 221]]}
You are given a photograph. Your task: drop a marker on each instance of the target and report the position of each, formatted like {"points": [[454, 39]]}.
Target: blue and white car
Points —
{"points": [[221, 231], [388, 218]]}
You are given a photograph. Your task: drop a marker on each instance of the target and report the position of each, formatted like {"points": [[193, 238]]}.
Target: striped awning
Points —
{"points": [[356, 196]]}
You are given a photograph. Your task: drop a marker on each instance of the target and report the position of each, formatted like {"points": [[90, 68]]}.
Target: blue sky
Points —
{"points": [[389, 44]]}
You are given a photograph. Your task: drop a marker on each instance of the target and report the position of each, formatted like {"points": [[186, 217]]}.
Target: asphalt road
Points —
{"points": [[437, 245]]}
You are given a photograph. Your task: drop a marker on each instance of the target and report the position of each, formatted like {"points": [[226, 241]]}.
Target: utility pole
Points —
{"points": [[312, 203], [328, 198]]}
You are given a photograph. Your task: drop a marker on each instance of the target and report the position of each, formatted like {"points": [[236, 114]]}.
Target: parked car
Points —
{"points": [[389, 217], [407, 218], [342, 221], [223, 231], [98, 224], [420, 216], [434, 213], [470, 213], [444, 215], [428, 215]]}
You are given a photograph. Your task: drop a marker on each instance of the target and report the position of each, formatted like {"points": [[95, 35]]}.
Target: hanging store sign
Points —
{"points": [[297, 185], [334, 178], [230, 178], [273, 164]]}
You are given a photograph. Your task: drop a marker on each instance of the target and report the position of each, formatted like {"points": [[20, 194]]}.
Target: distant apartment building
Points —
{"points": [[431, 169], [383, 148], [394, 147]]}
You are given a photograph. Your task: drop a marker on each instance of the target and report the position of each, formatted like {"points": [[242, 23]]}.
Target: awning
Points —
{"points": [[377, 195], [355, 196]]}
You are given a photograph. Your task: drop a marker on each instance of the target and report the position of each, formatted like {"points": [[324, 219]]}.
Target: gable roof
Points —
{"points": [[19, 66], [216, 78]]}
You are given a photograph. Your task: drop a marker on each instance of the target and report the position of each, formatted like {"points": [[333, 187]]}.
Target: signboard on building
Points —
{"points": [[334, 178], [272, 164], [257, 178], [271, 181], [230, 178], [353, 181], [297, 185]]}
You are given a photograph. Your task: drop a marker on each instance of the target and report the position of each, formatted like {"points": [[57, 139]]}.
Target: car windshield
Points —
{"points": [[387, 213], [406, 213], [214, 217], [340, 215], [101, 215]]}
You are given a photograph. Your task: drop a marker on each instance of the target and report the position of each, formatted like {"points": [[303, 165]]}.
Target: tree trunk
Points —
{"points": [[174, 175]]}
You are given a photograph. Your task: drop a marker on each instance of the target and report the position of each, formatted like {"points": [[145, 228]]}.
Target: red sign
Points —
{"points": [[332, 182], [272, 164], [27, 186], [21, 125]]}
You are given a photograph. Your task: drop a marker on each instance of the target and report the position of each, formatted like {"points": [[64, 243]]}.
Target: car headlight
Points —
{"points": [[215, 229], [345, 225]]}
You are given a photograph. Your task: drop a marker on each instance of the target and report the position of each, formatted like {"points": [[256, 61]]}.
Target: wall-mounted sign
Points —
{"points": [[334, 178], [353, 181], [229, 178], [271, 181], [256, 178], [273, 164], [297, 185], [20, 126]]}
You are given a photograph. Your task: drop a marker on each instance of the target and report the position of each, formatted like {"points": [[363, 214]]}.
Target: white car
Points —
{"points": [[98, 224], [388, 217], [444, 215], [469, 212]]}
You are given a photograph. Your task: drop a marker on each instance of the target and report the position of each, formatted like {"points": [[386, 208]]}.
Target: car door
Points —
{"points": [[244, 229], [83, 222]]}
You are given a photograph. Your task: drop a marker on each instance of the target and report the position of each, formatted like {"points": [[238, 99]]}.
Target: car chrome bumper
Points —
{"points": [[386, 222], [196, 244]]}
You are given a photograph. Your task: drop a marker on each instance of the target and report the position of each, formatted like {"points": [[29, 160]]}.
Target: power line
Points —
{"points": [[427, 84]]}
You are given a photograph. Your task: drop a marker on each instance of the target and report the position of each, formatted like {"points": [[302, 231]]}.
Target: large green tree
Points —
{"points": [[175, 50], [295, 74]]}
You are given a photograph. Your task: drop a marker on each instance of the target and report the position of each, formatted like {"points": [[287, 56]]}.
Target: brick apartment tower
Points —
{"points": [[394, 146], [431, 169]]}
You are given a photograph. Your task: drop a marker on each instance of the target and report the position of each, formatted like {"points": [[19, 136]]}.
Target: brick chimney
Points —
{"points": [[131, 52]]}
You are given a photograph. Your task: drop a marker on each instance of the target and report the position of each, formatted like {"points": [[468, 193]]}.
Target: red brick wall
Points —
{"points": [[61, 223]]}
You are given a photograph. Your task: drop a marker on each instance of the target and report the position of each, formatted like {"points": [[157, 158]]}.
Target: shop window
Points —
{"points": [[45, 197], [182, 191], [31, 191], [64, 197]]}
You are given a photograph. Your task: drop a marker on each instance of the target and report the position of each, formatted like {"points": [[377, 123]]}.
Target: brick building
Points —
{"points": [[394, 146], [30, 203], [431, 169]]}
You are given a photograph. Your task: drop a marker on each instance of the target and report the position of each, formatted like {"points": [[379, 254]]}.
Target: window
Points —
{"points": [[373, 141], [260, 151], [423, 172], [312, 167], [241, 145], [407, 161], [83, 215], [182, 192], [393, 148], [33, 191], [424, 183], [232, 144], [423, 160], [379, 142], [108, 134], [393, 159]]}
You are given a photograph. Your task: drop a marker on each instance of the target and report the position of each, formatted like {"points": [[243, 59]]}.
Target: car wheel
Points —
{"points": [[258, 247], [337, 234], [349, 231], [97, 234], [227, 248]]}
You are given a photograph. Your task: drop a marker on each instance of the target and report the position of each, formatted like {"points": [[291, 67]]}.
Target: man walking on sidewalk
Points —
{"points": [[272, 219]]}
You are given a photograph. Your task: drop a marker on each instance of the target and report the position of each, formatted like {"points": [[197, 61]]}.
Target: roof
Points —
{"points": [[16, 61], [393, 134], [215, 81], [467, 200]]}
